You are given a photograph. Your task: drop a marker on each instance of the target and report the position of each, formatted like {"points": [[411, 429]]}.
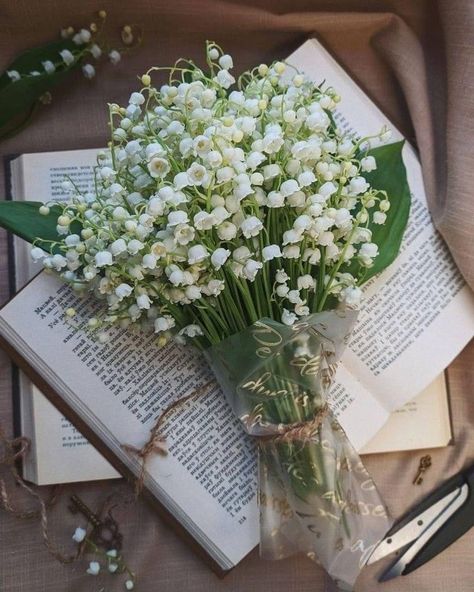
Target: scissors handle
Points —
{"points": [[454, 528]]}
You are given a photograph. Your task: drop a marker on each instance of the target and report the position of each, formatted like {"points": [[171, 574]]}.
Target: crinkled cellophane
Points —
{"points": [[315, 494]]}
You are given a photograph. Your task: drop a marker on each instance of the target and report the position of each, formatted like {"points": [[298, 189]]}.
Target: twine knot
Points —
{"points": [[300, 430]]}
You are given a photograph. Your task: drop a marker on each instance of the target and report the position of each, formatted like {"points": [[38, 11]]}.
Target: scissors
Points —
{"points": [[436, 522]]}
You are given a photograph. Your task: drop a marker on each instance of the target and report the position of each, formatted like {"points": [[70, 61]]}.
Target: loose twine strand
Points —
{"points": [[16, 449], [156, 443]]}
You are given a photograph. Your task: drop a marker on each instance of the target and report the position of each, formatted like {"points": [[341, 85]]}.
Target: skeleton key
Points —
{"points": [[425, 464], [105, 533]]}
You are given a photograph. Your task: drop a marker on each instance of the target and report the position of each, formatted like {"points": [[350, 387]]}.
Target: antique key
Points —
{"points": [[105, 533], [425, 464]]}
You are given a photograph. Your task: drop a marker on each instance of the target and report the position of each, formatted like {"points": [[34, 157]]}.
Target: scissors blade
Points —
{"points": [[413, 529], [400, 565]]}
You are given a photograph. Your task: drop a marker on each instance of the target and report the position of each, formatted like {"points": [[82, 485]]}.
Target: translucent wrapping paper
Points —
{"points": [[315, 494]]}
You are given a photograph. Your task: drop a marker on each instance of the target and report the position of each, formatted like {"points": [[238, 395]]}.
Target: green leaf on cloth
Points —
{"points": [[18, 98]]}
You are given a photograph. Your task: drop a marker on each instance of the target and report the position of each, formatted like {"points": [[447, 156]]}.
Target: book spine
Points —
{"points": [[15, 374]]}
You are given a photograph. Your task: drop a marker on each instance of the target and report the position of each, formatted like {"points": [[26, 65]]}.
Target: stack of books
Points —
{"points": [[390, 391]]}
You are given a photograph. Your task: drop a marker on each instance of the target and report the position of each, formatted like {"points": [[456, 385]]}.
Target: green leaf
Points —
{"points": [[18, 97], [23, 219], [390, 176]]}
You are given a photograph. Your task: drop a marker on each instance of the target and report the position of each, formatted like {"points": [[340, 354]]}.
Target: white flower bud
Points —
{"points": [[270, 252], [225, 174], [118, 246], [225, 62], [327, 189], [342, 218], [224, 79], [251, 268], [306, 178], [181, 180], [149, 261], [177, 217], [306, 282], [94, 566], [275, 199], [294, 296], [292, 236], [196, 254], [288, 318], [281, 276], [302, 222], [241, 254], [164, 323], [88, 70], [358, 185], [134, 246], [214, 159], [219, 257], [351, 296], [226, 231], [368, 164], [37, 253], [282, 290], [193, 293], [103, 258], [251, 226], [177, 277], [270, 171], [289, 187], [123, 291], [291, 252], [379, 217], [79, 535], [257, 179], [67, 57]]}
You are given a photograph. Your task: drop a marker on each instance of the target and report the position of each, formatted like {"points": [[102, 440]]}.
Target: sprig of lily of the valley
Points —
{"points": [[108, 560], [27, 83]]}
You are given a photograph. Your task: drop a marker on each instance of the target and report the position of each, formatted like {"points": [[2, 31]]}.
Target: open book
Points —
{"points": [[59, 453], [417, 316]]}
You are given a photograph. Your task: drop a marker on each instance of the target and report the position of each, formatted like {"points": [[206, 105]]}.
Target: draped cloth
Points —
{"points": [[416, 59]]}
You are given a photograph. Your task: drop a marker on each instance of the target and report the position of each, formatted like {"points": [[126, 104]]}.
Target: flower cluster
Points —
{"points": [[111, 559], [220, 203], [83, 46]]}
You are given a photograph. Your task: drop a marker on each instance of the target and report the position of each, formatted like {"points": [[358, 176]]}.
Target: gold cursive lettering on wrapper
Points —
{"points": [[267, 337], [279, 505]]}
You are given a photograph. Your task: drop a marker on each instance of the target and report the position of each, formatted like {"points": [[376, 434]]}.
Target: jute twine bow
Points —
{"points": [[13, 450], [156, 443]]}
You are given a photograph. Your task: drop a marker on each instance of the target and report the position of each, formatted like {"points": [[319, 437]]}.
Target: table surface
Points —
{"points": [[253, 32]]}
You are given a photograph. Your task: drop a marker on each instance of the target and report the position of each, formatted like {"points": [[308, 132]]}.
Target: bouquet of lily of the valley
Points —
{"points": [[235, 215]]}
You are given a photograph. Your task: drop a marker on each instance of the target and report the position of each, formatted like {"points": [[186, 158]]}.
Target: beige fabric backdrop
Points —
{"points": [[417, 60]]}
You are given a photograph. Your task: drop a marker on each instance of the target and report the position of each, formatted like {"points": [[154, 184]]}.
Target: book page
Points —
{"points": [[419, 313], [208, 478], [424, 423], [60, 454]]}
